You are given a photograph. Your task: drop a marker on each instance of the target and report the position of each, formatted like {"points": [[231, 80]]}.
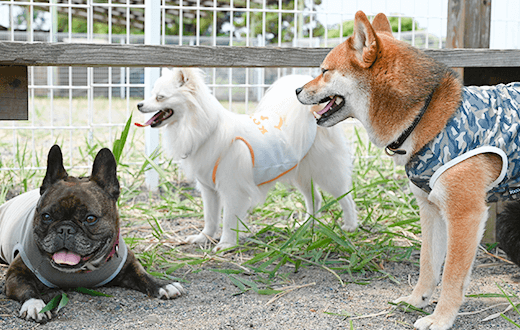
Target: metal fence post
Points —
{"points": [[152, 36]]}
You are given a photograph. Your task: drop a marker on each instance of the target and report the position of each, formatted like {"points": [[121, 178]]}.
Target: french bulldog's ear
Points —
{"points": [[55, 169], [104, 172]]}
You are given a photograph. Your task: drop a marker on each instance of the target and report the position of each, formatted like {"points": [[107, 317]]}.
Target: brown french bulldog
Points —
{"points": [[66, 235]]}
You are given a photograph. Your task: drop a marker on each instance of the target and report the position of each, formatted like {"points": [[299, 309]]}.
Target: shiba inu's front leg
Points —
{"points": [[460, 194], [433, 250], [212, 209]]}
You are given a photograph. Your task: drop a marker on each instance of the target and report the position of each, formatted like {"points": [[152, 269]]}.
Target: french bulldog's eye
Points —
{"points": [[46, 217], [91, 219]]}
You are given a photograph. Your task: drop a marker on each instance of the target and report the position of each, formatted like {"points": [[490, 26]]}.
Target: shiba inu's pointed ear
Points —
{"points": [[381, 24], [55, 169], [365, 41]]}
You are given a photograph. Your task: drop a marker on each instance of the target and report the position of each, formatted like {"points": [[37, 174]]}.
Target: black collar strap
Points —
{"points": [[393, 148]]}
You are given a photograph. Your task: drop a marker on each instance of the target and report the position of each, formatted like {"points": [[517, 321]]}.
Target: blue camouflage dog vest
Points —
{"points": [[487, 121]]}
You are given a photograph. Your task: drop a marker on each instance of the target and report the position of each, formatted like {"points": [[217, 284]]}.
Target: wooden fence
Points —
{"points": [[96, 55], [15, 57]]}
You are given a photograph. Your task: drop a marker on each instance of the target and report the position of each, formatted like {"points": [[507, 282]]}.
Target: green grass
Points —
{"points": [[279, 236], [387, 212], [280, 241]]}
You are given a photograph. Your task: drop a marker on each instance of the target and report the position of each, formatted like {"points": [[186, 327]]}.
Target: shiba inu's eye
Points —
{"points": [[91, 219], [323, 71], [46, 217]]}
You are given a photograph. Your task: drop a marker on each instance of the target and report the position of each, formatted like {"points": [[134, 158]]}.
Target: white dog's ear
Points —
{"points": [[184, 76], [166, 72], [365, 40]]}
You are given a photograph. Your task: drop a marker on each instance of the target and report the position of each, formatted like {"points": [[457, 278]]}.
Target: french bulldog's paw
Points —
{"points": [[31, 310], [199, 239], [222, 246], [171, 291], [350, 226], [433, 322], [418, 302]]}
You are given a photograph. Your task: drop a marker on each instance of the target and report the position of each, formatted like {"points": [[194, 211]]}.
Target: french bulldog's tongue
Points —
{"points": [[64, 257], [328, 106], [149, 121]]}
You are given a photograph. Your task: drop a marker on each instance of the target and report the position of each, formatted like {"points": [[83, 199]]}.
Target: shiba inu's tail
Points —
{"points": [[508, 231]]}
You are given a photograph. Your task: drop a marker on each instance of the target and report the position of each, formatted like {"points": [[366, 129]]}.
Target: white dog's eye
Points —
{"points": [[159, 97]]}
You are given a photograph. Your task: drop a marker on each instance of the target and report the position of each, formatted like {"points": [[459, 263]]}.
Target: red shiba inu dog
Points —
{"points": [[458, 145]]}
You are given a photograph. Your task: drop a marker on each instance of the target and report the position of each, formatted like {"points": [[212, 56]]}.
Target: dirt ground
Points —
{"points": [[317, 301]]}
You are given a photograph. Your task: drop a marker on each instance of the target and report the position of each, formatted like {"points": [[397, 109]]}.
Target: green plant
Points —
{"points": [[407, 24]]}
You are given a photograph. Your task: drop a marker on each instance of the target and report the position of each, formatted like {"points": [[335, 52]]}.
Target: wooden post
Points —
{"points": [[469, 27], [469, 24], [14, 100]]}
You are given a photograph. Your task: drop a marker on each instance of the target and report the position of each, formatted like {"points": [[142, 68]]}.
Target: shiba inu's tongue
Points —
{"points": [[65, 257], [328, 106], [149, 121]]}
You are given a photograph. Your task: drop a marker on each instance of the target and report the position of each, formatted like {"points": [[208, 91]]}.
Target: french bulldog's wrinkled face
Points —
{"points": [[76, 222]]}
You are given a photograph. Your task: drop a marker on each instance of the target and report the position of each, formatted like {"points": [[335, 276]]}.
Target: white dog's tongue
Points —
{"points": [[327, 107], [149, 121], [65, 257]]}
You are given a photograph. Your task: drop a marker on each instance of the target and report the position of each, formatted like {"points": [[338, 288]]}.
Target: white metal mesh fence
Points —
{"points": [[85, 108]]}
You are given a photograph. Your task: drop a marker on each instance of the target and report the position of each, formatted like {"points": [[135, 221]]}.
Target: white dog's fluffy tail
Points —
{"points": [[281, 96], [299, 122]]}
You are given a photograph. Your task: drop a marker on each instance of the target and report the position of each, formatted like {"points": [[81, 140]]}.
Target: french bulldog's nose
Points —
{"points": [[139, 105], [66, 231], [298, 90]]}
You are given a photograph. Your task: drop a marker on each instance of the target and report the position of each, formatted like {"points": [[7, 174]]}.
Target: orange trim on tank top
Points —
{"points": [[249, 147], [284, 173], [214, 174]]}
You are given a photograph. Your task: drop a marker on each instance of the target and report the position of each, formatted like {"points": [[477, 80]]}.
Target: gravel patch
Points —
{"points": [[320, 303]]}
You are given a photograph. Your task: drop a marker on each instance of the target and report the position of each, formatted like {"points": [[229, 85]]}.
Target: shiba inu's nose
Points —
{"points": [[139, 106], [298, 90]]}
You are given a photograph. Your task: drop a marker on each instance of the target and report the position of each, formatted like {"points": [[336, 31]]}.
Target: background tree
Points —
{"points": [[348, 26]]}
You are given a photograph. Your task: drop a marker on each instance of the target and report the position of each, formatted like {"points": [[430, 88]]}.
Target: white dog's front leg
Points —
{"points": [[311, 195], [433, 250], [212, 209], [235, 212]]}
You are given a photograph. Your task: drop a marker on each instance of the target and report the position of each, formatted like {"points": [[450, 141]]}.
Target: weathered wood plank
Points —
{"points": [[469, 24], [95, 55], [14, 101]]}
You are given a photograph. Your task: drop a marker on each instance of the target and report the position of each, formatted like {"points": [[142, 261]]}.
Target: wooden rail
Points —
{"points": [[113, 55]]}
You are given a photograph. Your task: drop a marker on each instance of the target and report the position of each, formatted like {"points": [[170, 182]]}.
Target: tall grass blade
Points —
{"points": [[119, 144]]}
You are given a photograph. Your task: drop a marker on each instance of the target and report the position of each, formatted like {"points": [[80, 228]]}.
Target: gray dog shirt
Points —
{"points": [[16, 237]]}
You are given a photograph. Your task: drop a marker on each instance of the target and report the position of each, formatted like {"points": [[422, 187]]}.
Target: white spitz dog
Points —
{"points": [[235, 159]]}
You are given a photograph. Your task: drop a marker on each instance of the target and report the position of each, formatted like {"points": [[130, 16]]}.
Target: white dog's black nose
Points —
{"points": [[139, 106], [298, 90]]}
